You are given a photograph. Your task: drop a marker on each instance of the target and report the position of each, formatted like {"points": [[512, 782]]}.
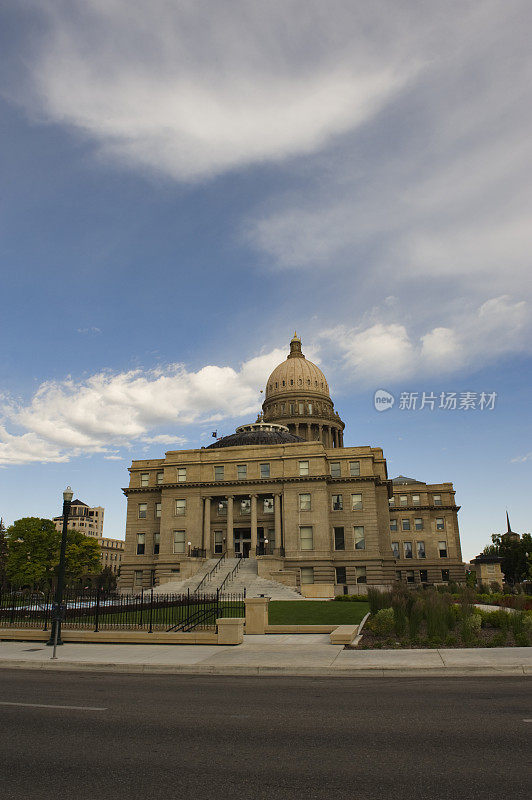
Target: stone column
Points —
{"points": [[335, 437], [297, 428], [277, 519], [253, 525], [207, 525], [230, 545], [320, 433]]}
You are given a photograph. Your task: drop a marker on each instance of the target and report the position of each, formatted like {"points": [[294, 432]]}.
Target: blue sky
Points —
{"points": [[184, 184]]}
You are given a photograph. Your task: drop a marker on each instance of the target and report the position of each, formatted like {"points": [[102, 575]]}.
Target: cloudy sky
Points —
{"points": [[185, 182]]}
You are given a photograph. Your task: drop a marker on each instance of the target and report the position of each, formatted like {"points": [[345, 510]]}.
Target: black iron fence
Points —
{"points": [[102, 610]]}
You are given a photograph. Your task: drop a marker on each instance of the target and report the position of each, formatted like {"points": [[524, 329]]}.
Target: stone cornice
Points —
{"points": [[425, 508], [277, 487]]}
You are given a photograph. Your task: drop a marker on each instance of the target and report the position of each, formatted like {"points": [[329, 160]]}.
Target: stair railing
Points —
{"points": [[209, 575], [230, 575]]}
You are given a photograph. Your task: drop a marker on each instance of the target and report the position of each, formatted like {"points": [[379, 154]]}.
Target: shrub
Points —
{"points": [[499, 640], [436, 615], [470, 628], [415, 617], [378, 600], [351, 598], [521, 639], [382, 623]]}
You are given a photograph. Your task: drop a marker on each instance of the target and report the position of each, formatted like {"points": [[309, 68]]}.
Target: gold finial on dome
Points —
{"points": [[295, 347]]}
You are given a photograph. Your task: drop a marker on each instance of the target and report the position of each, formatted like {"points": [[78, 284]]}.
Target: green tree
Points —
{"points": [[33, 553], [516, 555], [3, 553]]}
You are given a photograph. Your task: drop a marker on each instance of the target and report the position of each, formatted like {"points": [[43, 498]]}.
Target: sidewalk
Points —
{"points": [[272, 654]]}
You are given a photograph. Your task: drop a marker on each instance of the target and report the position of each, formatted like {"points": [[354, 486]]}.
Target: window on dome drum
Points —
{"points": [[304, 502], [219, 473], [436, 499], [179, 541], [442, 549], [292, 408], [264, 470], [445, 575], [143, 510], [182, 474], [339, 539], [340, 575], [282, 408], [145, 479], [423, 575], [141, 543], [245, 506], [156, 543], [360, 538], [310, 407], [354, 469], [415, 500], [410, 576], [407, 549], [337, 502], [335, 469], [421, 550], [180, 507], [158, 509], [360, 574], [301, 408], [160, 478], [307, 575], [440, 525], [356, 502], [241, 472], [395, 549], [268, 505], [418, 524], [306, 538], [403, 500], [405, 524], [222, 508], [303, 468]]}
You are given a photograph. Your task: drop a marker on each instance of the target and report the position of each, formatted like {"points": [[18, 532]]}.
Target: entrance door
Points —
{"points": [[246, 547]]}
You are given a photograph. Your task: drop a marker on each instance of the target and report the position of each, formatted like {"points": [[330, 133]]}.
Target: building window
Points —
{"points": [[156, 543], [393, 524], [354, 469], [137, 579], [339, 539], [245, 505], [218, 542], [141, 543], [268, 505], [405, 524], [306, 538], [335, 469], [160, 477], [356, 502], [445, 575], [222, 508], [423, 575], [340, 575], [360, 574], [219, 473], [442, 549], [291, 407], [421, 550], [303, 468], [271, 537], [241, 472], [415, 499], [143, 510], [307, 575], [440, 525], [310, 409], [360, 538], [410, 576], [418, 524], [264, 470], [407, 549], [304, 502], [395, 549], [182, 474], [158, 509], [397, 574], [337, 502], [436, 499], [179, 541], [403, 500], [145, 479], [301, 408], [180, 507]]}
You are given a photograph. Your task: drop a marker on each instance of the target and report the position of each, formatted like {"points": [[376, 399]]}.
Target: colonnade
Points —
{"points": [[229, 521], [328, 434]]}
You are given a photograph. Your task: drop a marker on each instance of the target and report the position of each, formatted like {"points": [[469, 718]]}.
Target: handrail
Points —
{"points": [[209, 575], [231, 575]]}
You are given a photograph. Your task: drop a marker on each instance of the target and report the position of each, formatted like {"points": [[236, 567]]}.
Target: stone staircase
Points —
{"points": [[246, 577]]}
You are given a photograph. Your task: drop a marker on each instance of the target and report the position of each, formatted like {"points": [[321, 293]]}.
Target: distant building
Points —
{"points": [[89, 521]]}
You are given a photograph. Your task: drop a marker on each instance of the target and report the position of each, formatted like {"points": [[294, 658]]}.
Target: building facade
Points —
{"points": [[286, 491], [89, 521]]}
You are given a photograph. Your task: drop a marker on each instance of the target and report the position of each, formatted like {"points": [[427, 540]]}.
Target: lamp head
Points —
{"points": [[68, 494]]}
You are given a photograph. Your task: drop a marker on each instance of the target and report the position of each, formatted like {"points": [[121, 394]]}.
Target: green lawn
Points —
{"points": [[315, 612]]}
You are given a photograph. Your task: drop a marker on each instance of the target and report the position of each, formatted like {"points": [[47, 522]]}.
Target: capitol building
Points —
{"points": [[284, 492]]}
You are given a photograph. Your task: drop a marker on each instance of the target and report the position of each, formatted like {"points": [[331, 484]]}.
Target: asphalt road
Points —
{"points": [[225, 737]]}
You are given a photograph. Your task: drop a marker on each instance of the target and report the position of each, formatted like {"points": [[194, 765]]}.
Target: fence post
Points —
{"points": [[151, 611], [97, 610]]}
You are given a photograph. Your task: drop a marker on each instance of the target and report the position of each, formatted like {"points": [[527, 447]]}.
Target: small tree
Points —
{"points": [[3, 553]]}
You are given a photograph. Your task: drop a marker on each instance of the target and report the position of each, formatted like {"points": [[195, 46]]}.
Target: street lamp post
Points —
{"points": [[55, 637]]}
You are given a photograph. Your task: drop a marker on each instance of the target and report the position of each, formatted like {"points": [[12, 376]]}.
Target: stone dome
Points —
{"points": [[296, 374], [255, 434]]}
